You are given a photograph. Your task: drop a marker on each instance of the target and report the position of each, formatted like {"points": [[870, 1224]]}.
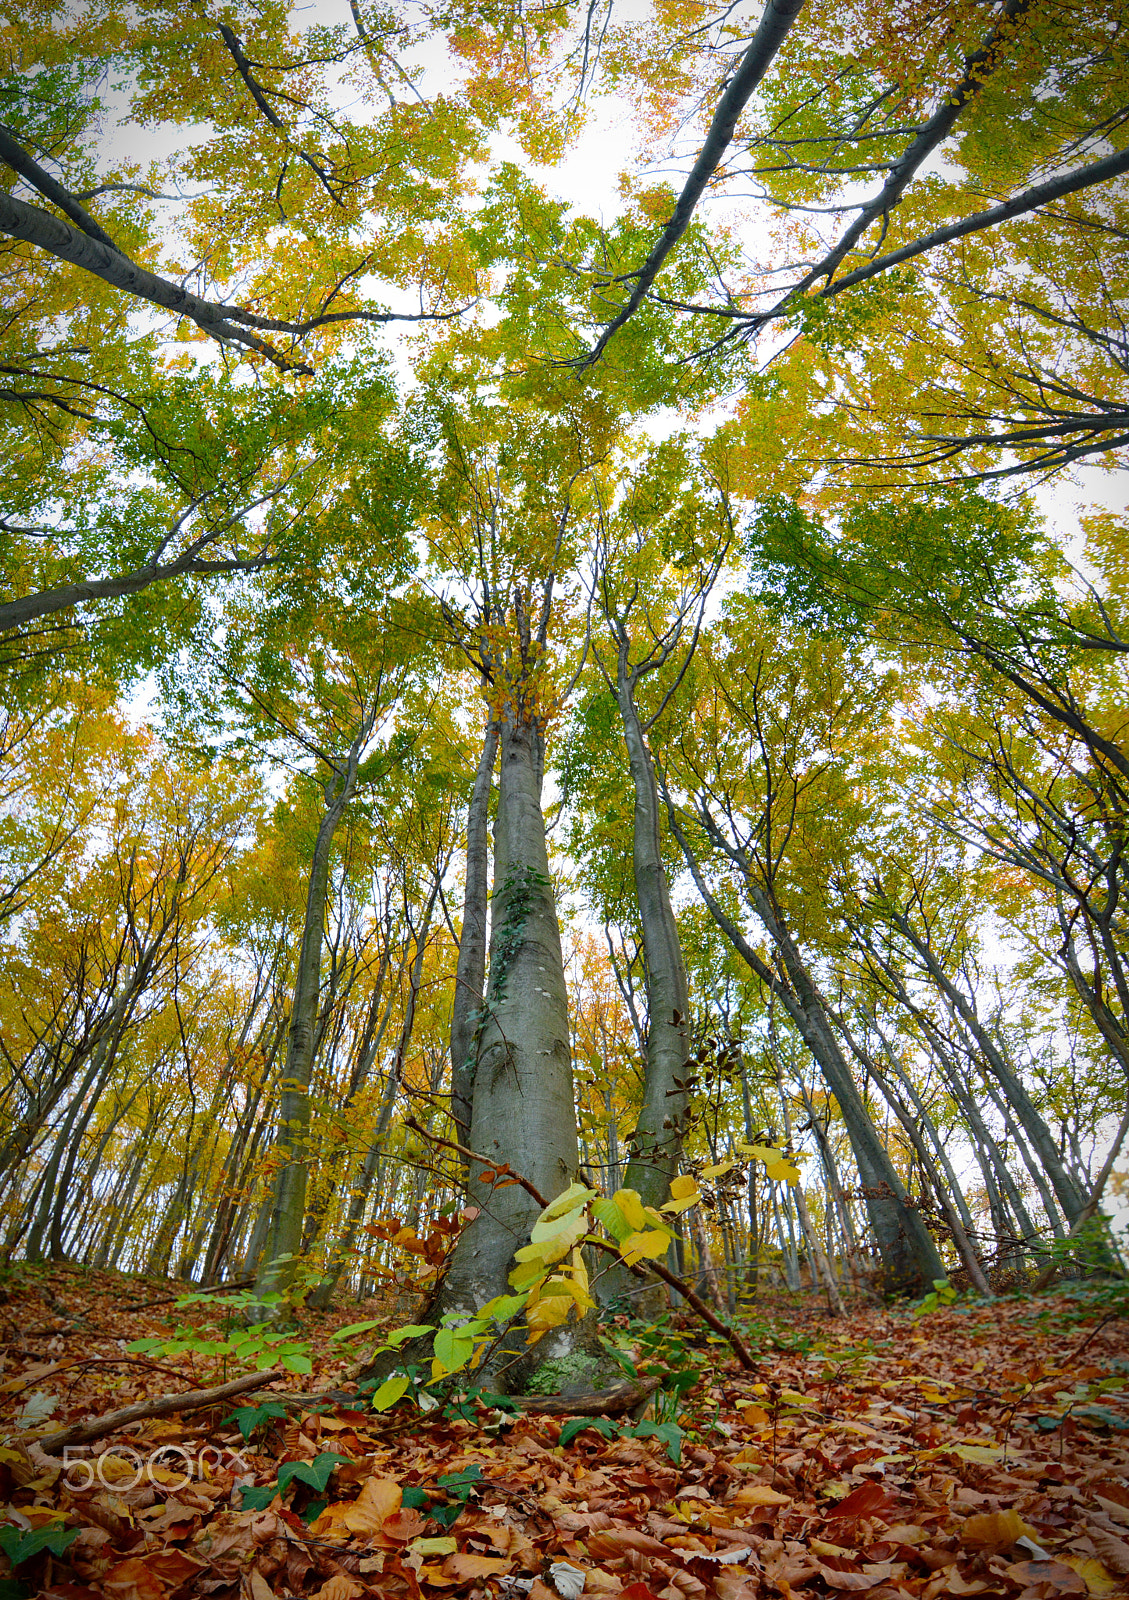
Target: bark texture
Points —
{"points": [[470, 973]]}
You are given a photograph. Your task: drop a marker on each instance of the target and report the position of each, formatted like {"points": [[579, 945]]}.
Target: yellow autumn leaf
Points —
{"points": [[575, 1196], [570, 1228], [525, 1275], [759, 1494], [822, 1548], [652, 1242], [684, 1187], [1100, 1582], [549, 1312], [631, 1207], [717, 1169], [986, 1455], [994, 1530]]}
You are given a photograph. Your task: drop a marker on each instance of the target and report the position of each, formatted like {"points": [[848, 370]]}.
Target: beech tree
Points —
{"points": [[426, 502]]}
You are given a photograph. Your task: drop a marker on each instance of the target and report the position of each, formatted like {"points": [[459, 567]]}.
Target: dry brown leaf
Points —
{"points": [[467, 1566], [1112, 1550], [379, 1499], [133, 1579], [849, 1578], [611, 1543], [1059, 1578], [339, 1587], [1100, 1582], [256, 1587], [597, 1581]]}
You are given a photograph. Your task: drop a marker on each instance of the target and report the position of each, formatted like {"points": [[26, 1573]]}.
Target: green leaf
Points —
{"points": [[355, 1328], [453, 1348], [248, 1418], [601, 1425], [670, 1434], [19, 1545], [414, 1330], [461, 1483], [391, 1390], [315, 1473], [257, 1498]]}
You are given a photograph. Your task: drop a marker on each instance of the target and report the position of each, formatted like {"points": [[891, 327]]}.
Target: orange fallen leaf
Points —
{"points": [[759, 1494], [466, 1566], [868, 1500], [1112, 1550], [1059, 1578]]}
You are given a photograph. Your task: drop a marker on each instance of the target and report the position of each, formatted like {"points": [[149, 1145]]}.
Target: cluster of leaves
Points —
{"points": [[971, 1450]]}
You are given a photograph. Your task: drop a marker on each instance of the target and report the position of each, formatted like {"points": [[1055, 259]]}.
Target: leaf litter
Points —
{"points": [[980, 1450]]}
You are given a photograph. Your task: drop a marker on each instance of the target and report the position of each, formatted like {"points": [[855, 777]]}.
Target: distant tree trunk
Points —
{"points": [[1070, 1197], [284, 1234], [92, 1084], [323, 1293], [932, 1178], [910, 1259]]}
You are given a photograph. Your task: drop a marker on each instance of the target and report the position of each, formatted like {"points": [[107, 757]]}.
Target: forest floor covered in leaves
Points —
{"points": [[972, 1450]]}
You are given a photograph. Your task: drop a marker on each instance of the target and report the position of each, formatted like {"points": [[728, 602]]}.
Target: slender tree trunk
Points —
{"points": [[1070, 1197], [657, 1143], [284, 1236], [323, 1293], [470, 971]]}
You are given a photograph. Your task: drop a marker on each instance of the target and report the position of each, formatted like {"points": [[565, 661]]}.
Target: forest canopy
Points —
{"points": [[558, 730]]}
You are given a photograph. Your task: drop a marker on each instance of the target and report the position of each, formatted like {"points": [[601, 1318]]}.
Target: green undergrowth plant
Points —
{"points": [[232, 1340], [939, 1298]]}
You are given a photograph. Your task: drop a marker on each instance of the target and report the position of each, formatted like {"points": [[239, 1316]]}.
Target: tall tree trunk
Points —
{"points": [[657, 1143], [910, 1260], [470, 971], [523, 1111], [323, 1293]]}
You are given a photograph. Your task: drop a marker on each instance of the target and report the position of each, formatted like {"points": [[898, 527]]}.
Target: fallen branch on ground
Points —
{"points": [[168, 1405], [611, 1402]]}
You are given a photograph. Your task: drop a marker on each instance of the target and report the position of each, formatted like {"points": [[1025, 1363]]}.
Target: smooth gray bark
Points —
{"points": [[657, 1142], [58, 238], [470, 971], [524, 1110], [523, 1099]]}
